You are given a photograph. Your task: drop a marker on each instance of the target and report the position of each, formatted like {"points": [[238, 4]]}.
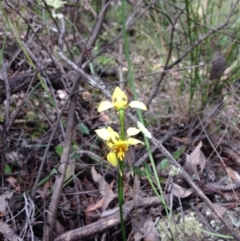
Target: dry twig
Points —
{"points": [[108, 222]]}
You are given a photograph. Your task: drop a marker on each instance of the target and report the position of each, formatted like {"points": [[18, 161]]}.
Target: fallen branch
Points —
{"points": [[108, 222]]}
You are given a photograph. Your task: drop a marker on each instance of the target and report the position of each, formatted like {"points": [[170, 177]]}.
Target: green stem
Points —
{"points": [[120, 199], [122, 124], [120, 176]]}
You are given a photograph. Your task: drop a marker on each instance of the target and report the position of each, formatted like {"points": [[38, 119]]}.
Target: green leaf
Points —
{"points": [[138, 171], [84, 129], [178, 152], [147, 169], [70, 169], [105, 60], [164, 164], [59, 150], [7, 169], [46, 179]]}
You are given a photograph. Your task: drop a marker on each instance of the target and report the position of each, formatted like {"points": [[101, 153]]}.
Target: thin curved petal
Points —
{"points": [[103, 133], [119, 99], [133, 141], [112, 158], [144, 130], [113, 134], [132, 131], [138, 104], [105, 105]]}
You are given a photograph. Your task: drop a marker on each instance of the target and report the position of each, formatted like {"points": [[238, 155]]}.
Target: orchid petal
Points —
{"points": [[133, 141], [138, 104], [119, 99], [132, 131], [112, 158], [144, 130], [103, 133], [113, 134], [105, 105]]}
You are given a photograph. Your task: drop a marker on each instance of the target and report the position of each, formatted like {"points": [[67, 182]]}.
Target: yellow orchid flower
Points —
{"points": [[118, 147], [120, 101]]}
